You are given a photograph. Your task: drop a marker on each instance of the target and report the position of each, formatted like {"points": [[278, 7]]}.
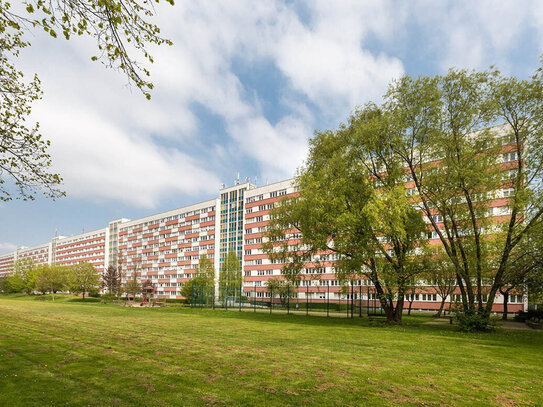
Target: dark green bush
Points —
{"points": [[523, 316], [474, 322]]}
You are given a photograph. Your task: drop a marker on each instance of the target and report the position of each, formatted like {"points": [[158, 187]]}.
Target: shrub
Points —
{"points": [[108, 298], [94, 294], [523, 316], [468, 322]]}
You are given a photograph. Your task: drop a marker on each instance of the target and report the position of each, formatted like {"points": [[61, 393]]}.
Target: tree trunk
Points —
{"points": [[83, 295], [443, 299], [410, 305], [505, 302], [53, 295]]}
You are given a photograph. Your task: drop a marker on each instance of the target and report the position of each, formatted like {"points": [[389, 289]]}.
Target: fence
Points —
{"points": [[348, 302]]}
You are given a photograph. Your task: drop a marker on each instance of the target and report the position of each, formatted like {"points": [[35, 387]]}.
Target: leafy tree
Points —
{"points": [[83, 278], [28, 271], [283, 288], [441, 277], [4, 285], [352, 202], [112, 280], [117, 26], [201, 283], [133, 286], [52, 279], [230, 275], [15, 283], [457, 175]]}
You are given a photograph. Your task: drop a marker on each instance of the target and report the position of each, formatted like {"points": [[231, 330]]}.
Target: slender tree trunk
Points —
{"points": [[443, 299], [83, 295], [410, 305], [505, 303], [53, 295]]}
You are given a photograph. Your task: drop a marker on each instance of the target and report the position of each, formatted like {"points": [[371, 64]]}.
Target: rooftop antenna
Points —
{"points": [[266, 181], [223, 186], [256, 181], [237, 179], [247, 179]]}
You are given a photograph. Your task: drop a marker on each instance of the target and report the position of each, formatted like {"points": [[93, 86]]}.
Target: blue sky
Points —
{"points": [[242, 89]]}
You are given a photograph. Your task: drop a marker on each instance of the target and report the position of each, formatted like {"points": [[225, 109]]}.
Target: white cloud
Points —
{"points": [[6, 247], [321, 49]]}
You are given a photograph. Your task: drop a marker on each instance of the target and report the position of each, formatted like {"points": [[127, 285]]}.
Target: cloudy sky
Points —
{"points": [[242, 89]]}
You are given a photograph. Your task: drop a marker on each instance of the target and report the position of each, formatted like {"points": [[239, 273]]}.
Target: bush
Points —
{"points": [[94, 294], [474, 322], [108, 298], [523, 316]]}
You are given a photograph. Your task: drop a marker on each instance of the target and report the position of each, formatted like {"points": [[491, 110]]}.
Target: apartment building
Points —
{"points": [[89, 247], [166, 247]]}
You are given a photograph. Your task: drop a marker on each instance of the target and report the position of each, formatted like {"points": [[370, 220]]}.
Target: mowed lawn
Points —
{"points": [[73, 353]]}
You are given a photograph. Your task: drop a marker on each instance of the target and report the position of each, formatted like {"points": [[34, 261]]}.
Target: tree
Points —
{"points": [[83, 278], [283, 288], [52, 279], [441, 277], [352, 202], [28, 271], [458, 165], [411, 291], [526, 266], [133, 286], [112, 280], [25, 164], [230, 275], [15, 283], [202, 282]]}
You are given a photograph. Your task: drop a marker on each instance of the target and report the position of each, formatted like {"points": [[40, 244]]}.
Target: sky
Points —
{"points": [[242, 90]]}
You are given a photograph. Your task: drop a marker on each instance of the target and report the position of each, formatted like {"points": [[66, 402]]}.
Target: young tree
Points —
{"points": [[112, 280], [202, 281], [230, 275], [352, 202], [133, 285], [441, 277], [83, 278], [52, 279], [283, 288]]}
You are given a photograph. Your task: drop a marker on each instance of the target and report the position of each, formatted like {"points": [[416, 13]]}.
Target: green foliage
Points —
{"points": [[52, 279], [202, 282], [117, 27], [474, 322], [352, 202], [83, 278], [282, 288], [230, 275]]}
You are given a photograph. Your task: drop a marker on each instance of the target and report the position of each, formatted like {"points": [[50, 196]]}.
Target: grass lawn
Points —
{"points": [[74, 353]]}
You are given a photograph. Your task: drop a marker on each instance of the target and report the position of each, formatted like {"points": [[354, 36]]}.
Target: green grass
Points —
{"points": [[87, 353]]}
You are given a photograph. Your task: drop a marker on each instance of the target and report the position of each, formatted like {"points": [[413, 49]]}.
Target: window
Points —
{"points": [[508, 192], [508, 157]]}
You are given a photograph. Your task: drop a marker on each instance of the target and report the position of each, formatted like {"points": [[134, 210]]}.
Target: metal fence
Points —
{"points": [[348, 302]]}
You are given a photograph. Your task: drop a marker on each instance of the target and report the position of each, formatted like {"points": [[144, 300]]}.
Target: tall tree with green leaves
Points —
{"points": [[230, 275], [352, 202], [460, 167], [83, 278], [28, 271]]}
